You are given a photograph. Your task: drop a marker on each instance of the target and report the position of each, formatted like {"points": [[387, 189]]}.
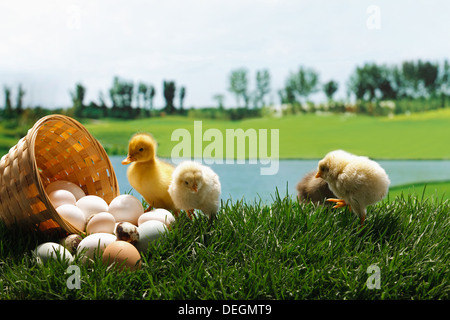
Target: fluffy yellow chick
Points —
{"points": [[311, 189], [195, 186], [147, 174], [357, 181]]}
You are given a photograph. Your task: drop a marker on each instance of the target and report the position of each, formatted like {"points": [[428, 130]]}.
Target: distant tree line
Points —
{"points": [[371, 89], [407, 84], [122, 95], [374, 89]]}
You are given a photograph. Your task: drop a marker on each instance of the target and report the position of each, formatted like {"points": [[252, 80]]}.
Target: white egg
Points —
{"points": [[149, 231], [162, 215], [101, 222], [91, 205], [60, 197], [65, 185], [52, 251], [94, 244], [73, 215], [126, 208]]}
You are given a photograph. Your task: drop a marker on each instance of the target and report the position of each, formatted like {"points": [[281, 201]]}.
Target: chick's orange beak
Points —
{"points": [[128, 160], [318, 174], [195, 188]]}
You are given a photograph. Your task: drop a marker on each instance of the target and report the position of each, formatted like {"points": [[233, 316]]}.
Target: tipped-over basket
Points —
{"points": [[57, 147]]}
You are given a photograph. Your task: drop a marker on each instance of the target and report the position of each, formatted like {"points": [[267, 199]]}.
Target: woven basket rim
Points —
{"points": [[31, 141]]}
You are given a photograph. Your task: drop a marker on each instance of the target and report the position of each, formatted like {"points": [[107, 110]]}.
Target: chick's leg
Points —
{"points": [[339, 202], [190, 213]]}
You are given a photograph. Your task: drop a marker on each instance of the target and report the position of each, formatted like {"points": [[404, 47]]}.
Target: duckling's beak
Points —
{"points": [[319, 174], [128, 160], [195, 188]]}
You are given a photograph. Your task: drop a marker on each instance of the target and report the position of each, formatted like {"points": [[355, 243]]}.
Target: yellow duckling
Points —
{"points": [[147, 174]]}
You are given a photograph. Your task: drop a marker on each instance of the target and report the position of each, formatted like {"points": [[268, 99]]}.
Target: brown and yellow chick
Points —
{"points": [[357, 181], [195, 186], [312, 189], [147, 174]]}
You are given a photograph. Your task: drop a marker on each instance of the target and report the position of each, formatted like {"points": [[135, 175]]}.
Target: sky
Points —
{"points": [[49, 46]]}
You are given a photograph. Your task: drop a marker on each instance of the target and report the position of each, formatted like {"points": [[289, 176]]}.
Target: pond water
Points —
{"points": [[245, 181]]}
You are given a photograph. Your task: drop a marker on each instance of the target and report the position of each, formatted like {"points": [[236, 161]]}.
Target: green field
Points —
{"points": [[439, 190], [253, 251], [417, 136]]}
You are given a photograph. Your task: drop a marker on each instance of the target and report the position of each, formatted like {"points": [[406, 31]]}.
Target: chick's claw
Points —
{"points": [[339, 202]]}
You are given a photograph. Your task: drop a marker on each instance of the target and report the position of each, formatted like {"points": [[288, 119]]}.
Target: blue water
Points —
{"points": [[245, 180]]}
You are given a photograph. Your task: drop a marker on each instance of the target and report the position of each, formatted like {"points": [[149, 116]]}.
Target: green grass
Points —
{"points": [[418, 136], [252, 251], [440, 190]]}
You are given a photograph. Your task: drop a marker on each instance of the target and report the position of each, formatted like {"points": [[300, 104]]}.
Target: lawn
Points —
{"points": [[422, 136], [252, 251], [439, 189], [417, 136]]}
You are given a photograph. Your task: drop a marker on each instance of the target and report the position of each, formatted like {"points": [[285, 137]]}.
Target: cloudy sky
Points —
{"points": [[48, 46]]}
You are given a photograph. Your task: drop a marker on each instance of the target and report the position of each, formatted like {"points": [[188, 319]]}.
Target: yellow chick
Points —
{"points": [[195, 186], [357, 181], [311, 189], [147, 174]]}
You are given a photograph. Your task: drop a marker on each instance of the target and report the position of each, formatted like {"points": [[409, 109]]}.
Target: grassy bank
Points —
{"points": [[279, 251], [439, 190]]}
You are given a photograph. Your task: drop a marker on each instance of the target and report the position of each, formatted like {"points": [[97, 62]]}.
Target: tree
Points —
{"points": [[262, 86], [77, 99], [20, 95], [287, 94], [220, 100], [169, 94], [421, 78], [121, 95], [8, 107], [428, 76], [388, 83], [444, 82], [182, 96], [330, 89], [101, 99], [150, 95], [145, 95], [409, 72], [238, 85], [366, 81], [303, 83], [141, 94], [398, 82]]}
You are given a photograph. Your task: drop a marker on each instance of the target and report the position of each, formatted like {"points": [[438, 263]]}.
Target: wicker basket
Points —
{"points": [[57, 147]]}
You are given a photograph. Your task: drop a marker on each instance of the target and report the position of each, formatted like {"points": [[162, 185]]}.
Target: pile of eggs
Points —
{"points": [[119, 232]]}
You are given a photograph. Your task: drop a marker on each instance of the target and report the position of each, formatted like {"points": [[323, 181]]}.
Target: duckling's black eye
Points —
{"points": [[323, 168], [141, 149], [186, 183]]}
